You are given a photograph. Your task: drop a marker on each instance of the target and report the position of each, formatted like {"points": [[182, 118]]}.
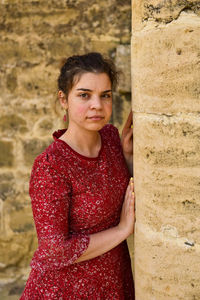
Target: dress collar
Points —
{"points": [[58, 133]]}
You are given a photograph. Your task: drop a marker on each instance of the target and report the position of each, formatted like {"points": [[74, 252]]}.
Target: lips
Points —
{"points": [[96, 117]]}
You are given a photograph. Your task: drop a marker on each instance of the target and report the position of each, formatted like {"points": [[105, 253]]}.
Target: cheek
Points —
{"points": [[108, 107], [81, 110]]}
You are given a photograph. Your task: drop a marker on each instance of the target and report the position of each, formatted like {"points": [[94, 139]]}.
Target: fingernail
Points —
{"points": [[131, 179], [133, 194], [131, 126], [132, 185]]}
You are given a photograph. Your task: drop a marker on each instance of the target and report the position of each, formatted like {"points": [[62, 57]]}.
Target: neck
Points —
{"points": [[85, 142]]}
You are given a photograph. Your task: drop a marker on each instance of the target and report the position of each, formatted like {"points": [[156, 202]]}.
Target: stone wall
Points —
{"points": [[166, 109], [34, 37]]}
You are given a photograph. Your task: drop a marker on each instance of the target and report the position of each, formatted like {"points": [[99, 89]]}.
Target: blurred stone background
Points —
{"points": [[34, 37]]}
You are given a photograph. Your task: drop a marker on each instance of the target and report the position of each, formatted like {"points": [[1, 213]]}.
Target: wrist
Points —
{"points": [[122, 232]]}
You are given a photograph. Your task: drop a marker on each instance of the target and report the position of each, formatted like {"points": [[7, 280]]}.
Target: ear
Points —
{"points": [[63, 99]]}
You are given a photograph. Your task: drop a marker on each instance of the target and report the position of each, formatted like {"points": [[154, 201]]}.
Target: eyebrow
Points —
{"points": [[88, 90]]}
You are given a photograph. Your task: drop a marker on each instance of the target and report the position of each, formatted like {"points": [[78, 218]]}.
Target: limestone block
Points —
{"points": [[121, 110], [12, 289], [12, 80], [167, 266], [21, 220], [15, 250], [167, 188], [8, 50], [11, 123], [165, 67], [6, 154], [38, 81], [7, 186], [123, 62], [6, 176], [32, 148], [167, 172], [43, 126], [6, 189], [160, 11]]}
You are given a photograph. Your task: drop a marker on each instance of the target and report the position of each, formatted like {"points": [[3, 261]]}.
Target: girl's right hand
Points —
{"points": [[127, 218]]}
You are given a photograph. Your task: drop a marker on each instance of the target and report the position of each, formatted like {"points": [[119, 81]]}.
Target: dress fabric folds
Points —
{"points": [[72, 197]]}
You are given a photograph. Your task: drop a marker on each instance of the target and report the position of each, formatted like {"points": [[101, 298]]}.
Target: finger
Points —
{"points": [[133, 201], [133, 195], [131, 205], [132, 186], [131, 198], [129, 134], [129, 120], [131, 182], [127, 192]]}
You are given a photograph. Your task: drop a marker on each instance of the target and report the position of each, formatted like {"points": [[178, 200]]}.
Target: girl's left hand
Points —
{"points": [[127, 137]]}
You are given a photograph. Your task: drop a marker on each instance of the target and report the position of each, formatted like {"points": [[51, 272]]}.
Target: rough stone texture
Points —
{"points": [[166, 106], [123, 60], [34, 38], [6, 154], [171, 54]]}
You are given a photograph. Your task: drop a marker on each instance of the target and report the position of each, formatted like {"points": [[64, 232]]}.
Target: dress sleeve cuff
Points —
{"points": [[80, 243]]}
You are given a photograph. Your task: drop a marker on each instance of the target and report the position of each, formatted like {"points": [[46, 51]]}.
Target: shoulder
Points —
{"points": [[110, 129], [111, 133], [50, 160]]}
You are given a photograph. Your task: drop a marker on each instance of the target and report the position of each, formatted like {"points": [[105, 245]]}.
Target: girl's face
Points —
{"points": [[89, 102]]}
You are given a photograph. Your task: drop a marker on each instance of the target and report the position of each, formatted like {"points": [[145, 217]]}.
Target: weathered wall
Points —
{"points": [[166, 108], [34, 37]]}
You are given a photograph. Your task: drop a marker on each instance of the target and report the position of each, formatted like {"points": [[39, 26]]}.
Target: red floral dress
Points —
{"points": [[72, 197]]}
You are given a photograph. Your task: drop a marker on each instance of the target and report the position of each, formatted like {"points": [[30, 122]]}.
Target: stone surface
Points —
{"points": [[10, 124], [166, 67], [33, 147], [162, 12], [169, 185], [123, 62], [166, 124], [6, 154], [170, 271]]}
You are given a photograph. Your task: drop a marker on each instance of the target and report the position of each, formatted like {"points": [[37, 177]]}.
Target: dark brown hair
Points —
{"points": [[77, 65]]}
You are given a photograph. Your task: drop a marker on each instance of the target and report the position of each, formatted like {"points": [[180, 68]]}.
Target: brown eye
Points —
{"points": [[84, 95], [106, 96]]}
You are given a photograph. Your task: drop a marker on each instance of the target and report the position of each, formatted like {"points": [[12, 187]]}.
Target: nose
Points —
{"points": [[96, 102]]}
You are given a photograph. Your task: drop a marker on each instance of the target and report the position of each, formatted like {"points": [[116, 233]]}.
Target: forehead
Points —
{"points": [[93, 81]]}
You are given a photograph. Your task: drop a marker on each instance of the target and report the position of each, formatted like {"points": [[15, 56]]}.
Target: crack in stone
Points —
{"points": [[151, 9], [197, 114]]}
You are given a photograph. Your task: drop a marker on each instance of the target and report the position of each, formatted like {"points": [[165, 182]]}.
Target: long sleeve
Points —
{"points": [[50, 197]]}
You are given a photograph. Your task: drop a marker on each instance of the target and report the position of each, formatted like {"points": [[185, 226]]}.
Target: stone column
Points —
{"points": [[166, 117]]}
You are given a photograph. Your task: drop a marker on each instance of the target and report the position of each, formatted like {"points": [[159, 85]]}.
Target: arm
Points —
{"points": [[127, 143], [50, 197], [104, 241]]}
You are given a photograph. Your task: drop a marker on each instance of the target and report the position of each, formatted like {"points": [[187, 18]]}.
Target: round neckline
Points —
{"points": [[80, 155]]}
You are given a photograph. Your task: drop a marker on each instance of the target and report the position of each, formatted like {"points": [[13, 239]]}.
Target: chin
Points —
{"points": [[96, 127]]}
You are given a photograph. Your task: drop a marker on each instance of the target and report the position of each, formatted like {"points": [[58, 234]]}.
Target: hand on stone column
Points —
{"points": [[127, 142], [127, 219]]}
